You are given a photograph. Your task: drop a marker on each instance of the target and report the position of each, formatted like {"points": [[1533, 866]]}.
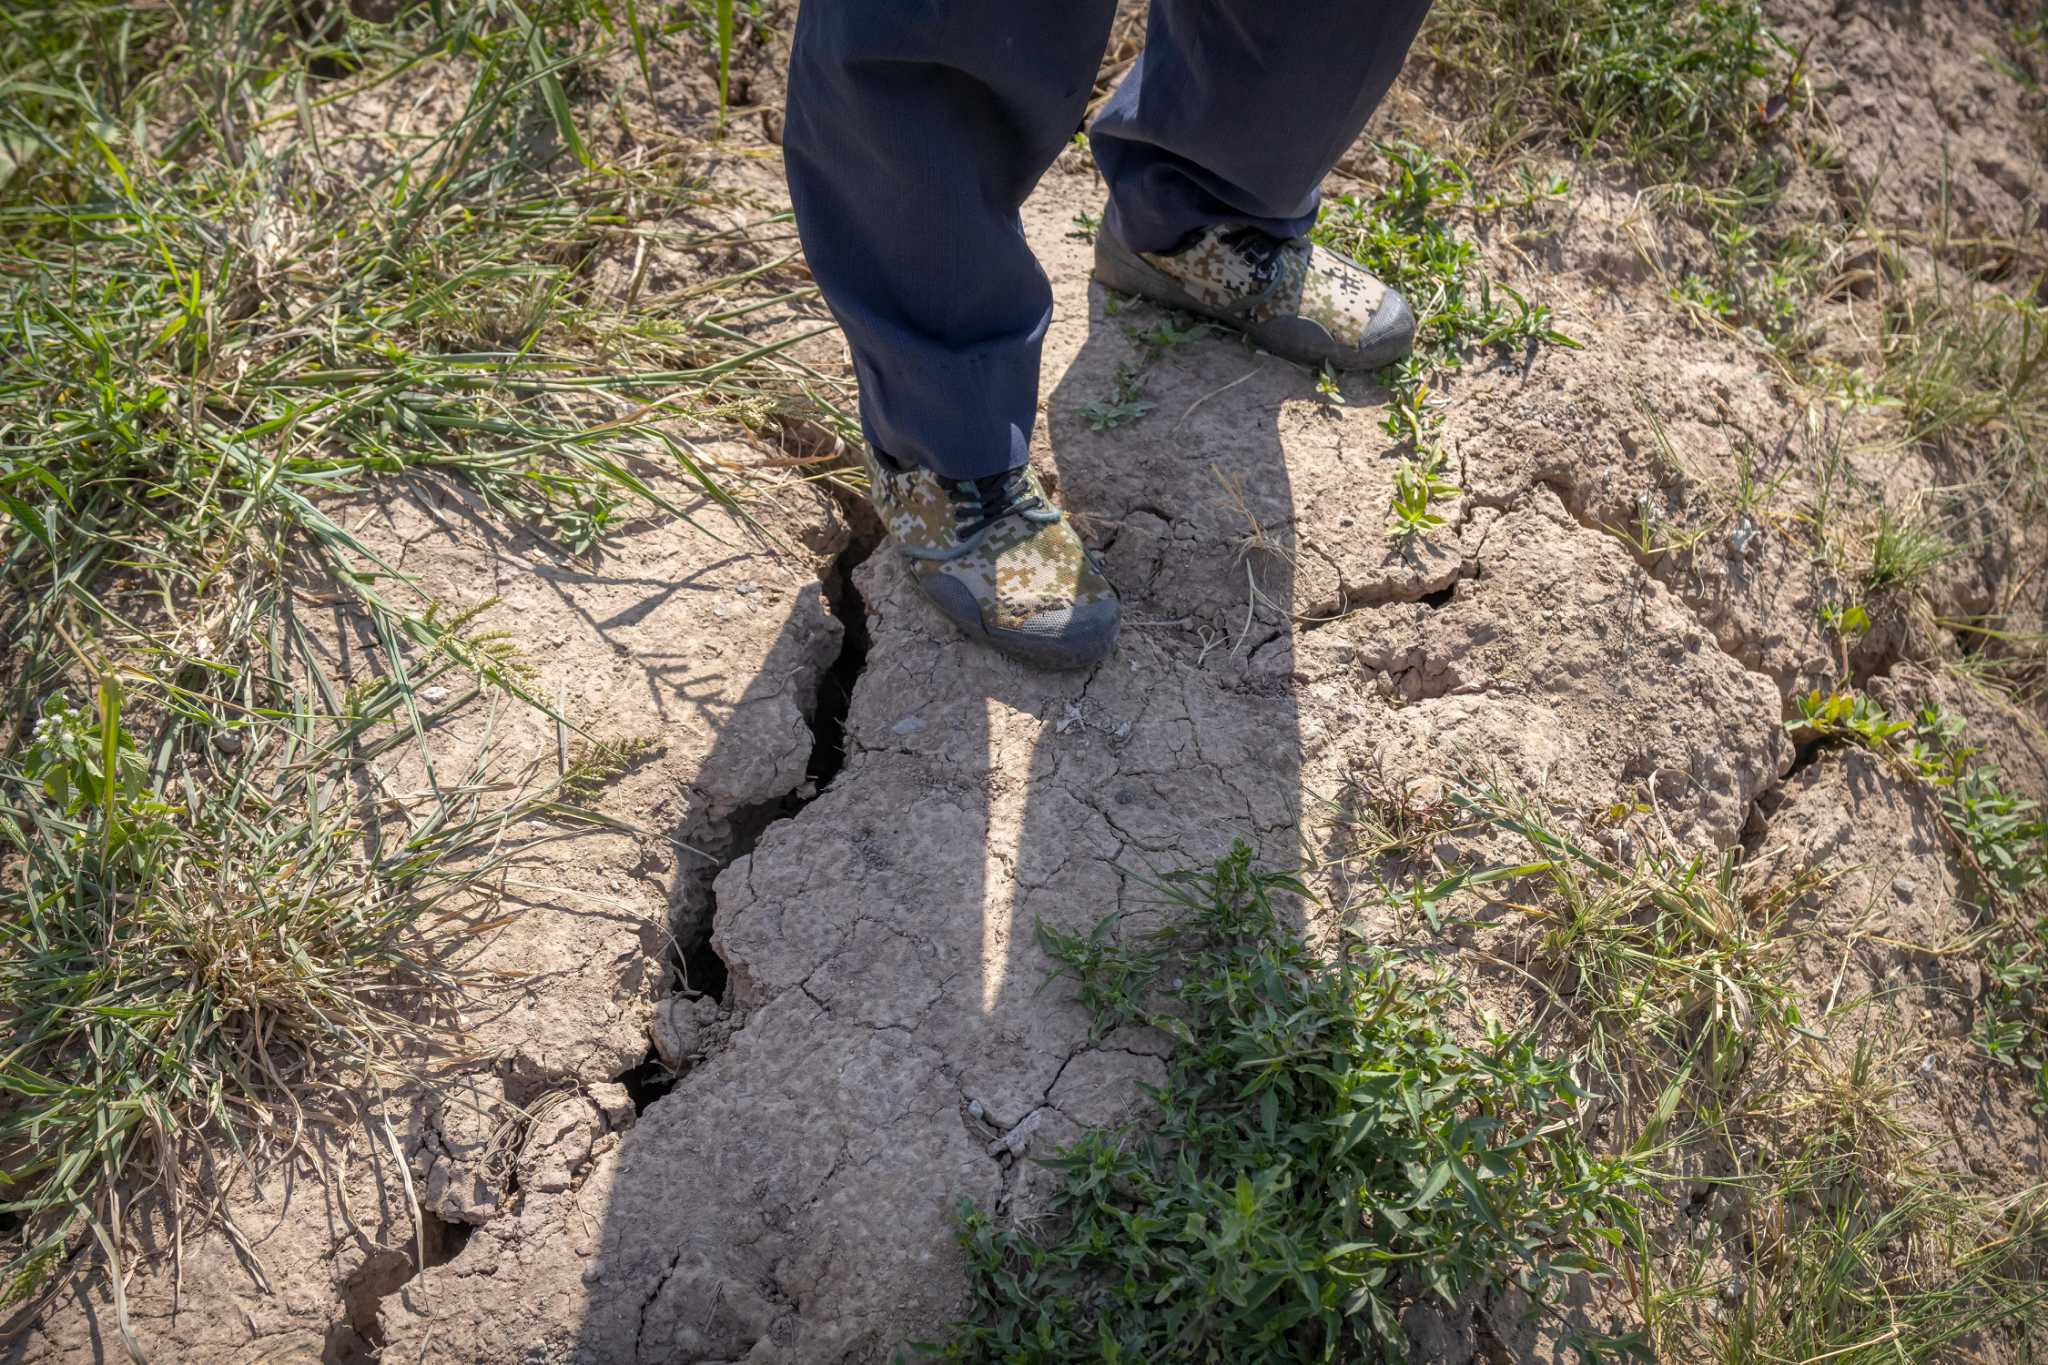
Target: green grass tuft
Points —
{"points": [[1904, 551], [224, 313], [1406, 234], [1676, 88], [1971, 370]]}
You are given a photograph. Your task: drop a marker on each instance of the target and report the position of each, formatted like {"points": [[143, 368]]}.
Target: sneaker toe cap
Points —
{"points": [[1076, 636], [1071, 637], [1390, 335], [1386, 337]]}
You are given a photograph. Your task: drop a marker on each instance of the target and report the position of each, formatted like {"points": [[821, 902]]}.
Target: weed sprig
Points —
{"points": [[1405, 234]]}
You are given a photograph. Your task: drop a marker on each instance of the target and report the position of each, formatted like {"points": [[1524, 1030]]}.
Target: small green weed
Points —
{"points": [[1849, 623], [2005, 833], [1696, 292], [1326, 385], [1652, 534], [1162, 336], [1419, 487], [1126, 404], [1107, 416], [2003, 838], [2026, 60], [1846, 715], [1849, 387], [1393, 817], [1752, 492], [2013, 1028], [1404, 234], [1760, 280], [1325, 1152], [2007, 838]]}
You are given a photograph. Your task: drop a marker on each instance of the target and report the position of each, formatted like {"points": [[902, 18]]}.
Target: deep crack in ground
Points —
{"points": [[694, 966]]}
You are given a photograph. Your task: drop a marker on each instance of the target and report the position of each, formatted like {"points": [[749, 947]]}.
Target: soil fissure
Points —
{"points": [[695, 968]]}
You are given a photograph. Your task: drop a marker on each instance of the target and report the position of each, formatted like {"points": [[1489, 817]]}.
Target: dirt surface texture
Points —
{"points": [[749, 1047]]}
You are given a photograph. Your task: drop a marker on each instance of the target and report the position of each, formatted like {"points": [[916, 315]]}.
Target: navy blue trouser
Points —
{"points": [[916, 128]]}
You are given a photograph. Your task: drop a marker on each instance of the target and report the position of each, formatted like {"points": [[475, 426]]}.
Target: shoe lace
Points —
{"points": [[1262, 251], [980, 503]]}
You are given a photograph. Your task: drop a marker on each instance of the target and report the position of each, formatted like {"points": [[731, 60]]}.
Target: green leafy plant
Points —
{"points": [[2000, 835], [2027, 58], [1404, 233], [1126, 403], [1651, 534], [1758, 279], [1419, 486], [1325, 1150], [2013, 1028], [2007, 839], [1846, 715], [1851, 622], [2007, 833], [1107, 416], [1162, 336]]}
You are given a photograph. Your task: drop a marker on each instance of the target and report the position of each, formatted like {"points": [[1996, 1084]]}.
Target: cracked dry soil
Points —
{"points": [[736, 1077]]}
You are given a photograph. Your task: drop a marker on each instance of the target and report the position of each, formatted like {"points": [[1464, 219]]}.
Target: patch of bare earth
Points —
{"points": [[743, 1051]]}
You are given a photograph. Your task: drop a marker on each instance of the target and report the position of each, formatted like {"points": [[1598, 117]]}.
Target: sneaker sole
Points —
{"points": [[1291, 338]]}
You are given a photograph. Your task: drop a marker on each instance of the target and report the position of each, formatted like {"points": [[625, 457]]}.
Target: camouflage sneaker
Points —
{"points": [[997, 558], [1302, 302]]}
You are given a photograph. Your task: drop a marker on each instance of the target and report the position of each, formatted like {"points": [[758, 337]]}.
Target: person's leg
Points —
{"points": [[915, 129], [1239, 108]]}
